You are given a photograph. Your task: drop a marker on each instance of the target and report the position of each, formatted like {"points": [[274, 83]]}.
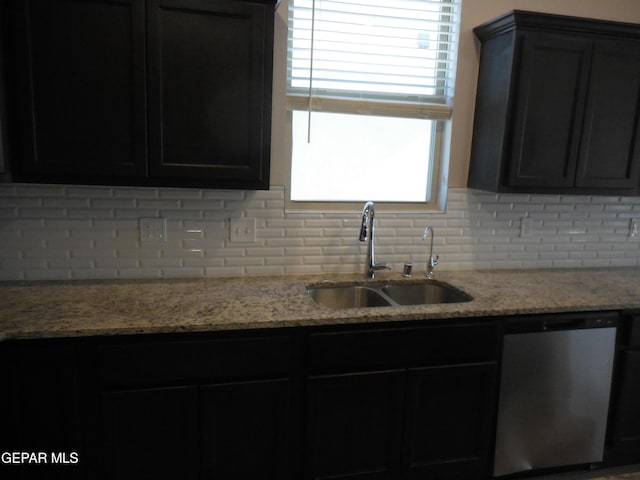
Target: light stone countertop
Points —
{"points": [[117, 307]]}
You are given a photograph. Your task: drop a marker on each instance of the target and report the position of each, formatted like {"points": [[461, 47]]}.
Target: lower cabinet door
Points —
{"points": [[354, 425], [232, 431], [625, 445], [151, 434], [448, 422], [244, 430], [40, 412]]}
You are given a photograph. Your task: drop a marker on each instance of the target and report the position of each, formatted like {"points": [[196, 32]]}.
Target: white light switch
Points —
{"points": [[525, 227], [242, 230]]}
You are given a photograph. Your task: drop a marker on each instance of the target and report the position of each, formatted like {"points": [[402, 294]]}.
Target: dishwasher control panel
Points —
{"points": [[556, 322]]}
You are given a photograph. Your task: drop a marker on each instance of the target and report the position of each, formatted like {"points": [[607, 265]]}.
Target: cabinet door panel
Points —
{"points": [[447, 423], [630, 398], [210, 72], [151, 434], [82, 80], [40, 409], [626, 423], [610, 153], [354, 425], [634, 331], [548, 108], [244, 430], [5, 27]]}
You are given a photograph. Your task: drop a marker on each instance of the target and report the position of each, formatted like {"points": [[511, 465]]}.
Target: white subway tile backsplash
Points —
{"points": [[70, 263], [566, 263], [24, 266], [181, 193], [116, 262], [139, 272], [305, 233], [87, 191], [224, 194], [83, 232], [224, 271], [264, 270], [33, 190]]}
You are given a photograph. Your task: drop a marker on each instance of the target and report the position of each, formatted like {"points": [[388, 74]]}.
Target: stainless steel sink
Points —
{"points": [[425, 293], [386, 295], [348, 297]]}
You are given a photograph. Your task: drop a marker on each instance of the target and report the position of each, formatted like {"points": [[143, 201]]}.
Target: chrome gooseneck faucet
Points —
{"points": [[368, 234], [433, 261]]}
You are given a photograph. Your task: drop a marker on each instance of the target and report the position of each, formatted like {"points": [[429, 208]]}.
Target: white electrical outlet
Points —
{"points": [[153, 230], [242, 230], [634, 227]]}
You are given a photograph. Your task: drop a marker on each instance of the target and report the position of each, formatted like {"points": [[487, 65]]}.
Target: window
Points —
{"points": [[370, 84]]}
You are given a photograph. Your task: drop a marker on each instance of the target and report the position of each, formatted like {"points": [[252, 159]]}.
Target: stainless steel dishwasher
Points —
{"points": [[554, 391]]}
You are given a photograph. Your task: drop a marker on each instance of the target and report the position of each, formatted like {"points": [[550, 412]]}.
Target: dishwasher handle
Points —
{"points": [[563, 324]]}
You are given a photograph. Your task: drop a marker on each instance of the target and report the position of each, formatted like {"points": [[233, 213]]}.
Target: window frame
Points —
{"points": [[441, 135]]}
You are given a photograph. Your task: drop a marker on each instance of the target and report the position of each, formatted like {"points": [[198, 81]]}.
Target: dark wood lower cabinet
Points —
{"points": [[448, 422], [349, 403], [225, 431], [412, 402], [40, 411], [243, 428], [151, 433], [625, 427], [420, 423], [242, 406], [354, 425]]}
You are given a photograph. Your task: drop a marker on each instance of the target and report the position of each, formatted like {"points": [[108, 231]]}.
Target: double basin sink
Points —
{"points": [[387, 295]]}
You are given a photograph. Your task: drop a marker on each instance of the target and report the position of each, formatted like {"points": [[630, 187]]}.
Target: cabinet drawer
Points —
{"points": [[403, 347], [193, 360]]}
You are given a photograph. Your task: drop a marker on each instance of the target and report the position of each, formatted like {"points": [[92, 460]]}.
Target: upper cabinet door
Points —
{"points": [[557, 106], [210, 91], [550, 93], [610, 153], [81, 78]]}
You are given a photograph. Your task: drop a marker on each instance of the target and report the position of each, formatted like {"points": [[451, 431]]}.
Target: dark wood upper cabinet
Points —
{"points": [[155, 92], [209, 90], [82, 90], [610, 153], [557, 106], [550, 93], [4, 108]]}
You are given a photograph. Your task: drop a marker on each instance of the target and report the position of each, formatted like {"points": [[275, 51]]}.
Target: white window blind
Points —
{"points": [[375, 57]]}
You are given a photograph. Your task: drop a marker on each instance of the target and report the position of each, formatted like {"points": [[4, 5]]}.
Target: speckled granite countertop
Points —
{"points": [[87, 308]]}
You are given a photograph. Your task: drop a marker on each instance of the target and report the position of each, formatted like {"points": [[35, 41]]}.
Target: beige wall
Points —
{"points": [[474, 12]]}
